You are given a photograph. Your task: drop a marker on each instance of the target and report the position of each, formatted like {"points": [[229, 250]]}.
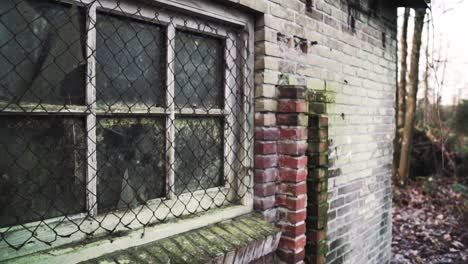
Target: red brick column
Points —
{"points": [[266, 157], [291, 196], [317, 182]]}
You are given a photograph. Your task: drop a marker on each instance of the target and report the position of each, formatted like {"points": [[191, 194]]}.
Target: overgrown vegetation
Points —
{"points": [[430, 161]]}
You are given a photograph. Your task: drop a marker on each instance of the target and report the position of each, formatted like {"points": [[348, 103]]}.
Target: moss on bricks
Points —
{"points": [[236, 240], [175, 252], [158, 253], [125, 259], [239, 233], [227, 236], [314, 84], [106, 260], [142, 256], [260, 224], [199, 254], [249, 231], [210, 248]]}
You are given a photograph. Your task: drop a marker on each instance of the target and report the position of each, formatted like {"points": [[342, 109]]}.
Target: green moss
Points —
{"points": [[314, 84], [227, 236], [156, 251], [321, 96], [185, 243], [216, 240], [239, 233], [124, 259], [205, 245], [249, 231], [198, 246], [174, 251], [260, 225]]}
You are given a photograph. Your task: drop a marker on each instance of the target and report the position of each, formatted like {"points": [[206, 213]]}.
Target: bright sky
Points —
{"points": [[449, 29], [448, 41]]}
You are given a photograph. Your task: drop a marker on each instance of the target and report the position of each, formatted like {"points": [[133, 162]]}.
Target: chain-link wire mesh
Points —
{"points": [[117, 115]]}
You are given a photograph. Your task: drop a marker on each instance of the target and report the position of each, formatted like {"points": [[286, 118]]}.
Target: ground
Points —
{"points": [[430, 223]]}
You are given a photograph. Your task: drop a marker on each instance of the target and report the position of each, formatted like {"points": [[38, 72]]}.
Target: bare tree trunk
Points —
{"points": [[401, 94], [408, 130], [403, 70], [426, 109]]}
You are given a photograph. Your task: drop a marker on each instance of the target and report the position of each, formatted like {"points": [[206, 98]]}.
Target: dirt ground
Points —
{"points": [[430, 223]]}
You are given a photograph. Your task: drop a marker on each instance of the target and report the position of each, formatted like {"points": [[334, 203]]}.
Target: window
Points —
{"points": [[116, 116]]}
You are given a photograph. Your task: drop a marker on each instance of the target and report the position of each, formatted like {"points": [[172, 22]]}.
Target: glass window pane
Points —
{"points": [[42, 52], [130, 158], [42, 168], [198, 154], [130, 62], [198, 71]]}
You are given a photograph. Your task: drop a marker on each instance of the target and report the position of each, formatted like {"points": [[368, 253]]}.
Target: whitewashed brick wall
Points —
{"points": [[358, 72]]}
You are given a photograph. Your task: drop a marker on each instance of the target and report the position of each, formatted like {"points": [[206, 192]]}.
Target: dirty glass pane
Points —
{"points": [[42, 47], [42, 168], [198, 71], [198, 154], [130, 61], [130, 161]]}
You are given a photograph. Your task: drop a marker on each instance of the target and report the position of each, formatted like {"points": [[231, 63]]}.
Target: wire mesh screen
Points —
{"points": [[117, 115]]}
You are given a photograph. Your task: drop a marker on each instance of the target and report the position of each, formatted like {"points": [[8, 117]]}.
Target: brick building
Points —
{"points": [[176, 131]]}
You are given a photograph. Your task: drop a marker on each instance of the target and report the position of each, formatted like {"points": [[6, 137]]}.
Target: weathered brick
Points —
{"points": [[265, 91], [292, 119], [292, 216], [292, 106], [292, 162], [317, 108], [262, 162], [281, 12], [289, 256], [265, 62], [291, 202], [292, 230], [317, 159], [292, 148], [295, 244], [317, 235], [292, 188], [266, 105], [263, 203], [265, 147], [317, 135], [318, 147], [267, 175], [265, 119], [291, 92], [318, 173], [295, 133], [286, 66], [266, 189], [292, 175], [320, 186], [349, 188], [317, 210], [267, 134], [316, 198]]}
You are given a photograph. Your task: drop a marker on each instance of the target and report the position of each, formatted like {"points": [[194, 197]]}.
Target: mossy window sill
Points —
{"points": [[240, 240]]}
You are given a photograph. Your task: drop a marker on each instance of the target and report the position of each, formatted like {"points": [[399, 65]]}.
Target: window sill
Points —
{"points": [[241, 240], [88, 250]]}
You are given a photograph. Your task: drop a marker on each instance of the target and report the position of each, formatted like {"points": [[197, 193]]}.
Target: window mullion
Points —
{"points": [[230, 107], [91, 122], [170, 121]]}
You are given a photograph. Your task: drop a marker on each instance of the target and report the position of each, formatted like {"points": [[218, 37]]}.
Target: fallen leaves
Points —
{"points": [[430, 228]]}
